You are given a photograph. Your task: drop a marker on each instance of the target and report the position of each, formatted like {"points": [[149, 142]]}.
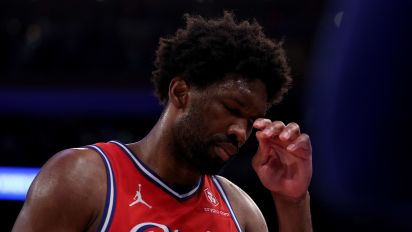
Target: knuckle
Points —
{"points": [[278, 124], [293, 126]]}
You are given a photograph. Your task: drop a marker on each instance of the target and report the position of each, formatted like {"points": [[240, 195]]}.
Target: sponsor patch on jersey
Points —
{"points": [[210, 197]]}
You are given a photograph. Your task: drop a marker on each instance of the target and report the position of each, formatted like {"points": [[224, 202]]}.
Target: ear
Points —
{"points": [[179, 92]]}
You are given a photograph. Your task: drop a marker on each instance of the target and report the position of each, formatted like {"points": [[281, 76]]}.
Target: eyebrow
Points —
{"points": [[260, 115], [237, 101]]}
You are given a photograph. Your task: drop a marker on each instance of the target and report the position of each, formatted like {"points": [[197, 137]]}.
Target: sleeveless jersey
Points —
{"points": [[138, 200]]}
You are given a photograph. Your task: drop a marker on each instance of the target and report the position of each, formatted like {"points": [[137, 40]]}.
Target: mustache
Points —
{"points": [[221, 138]]}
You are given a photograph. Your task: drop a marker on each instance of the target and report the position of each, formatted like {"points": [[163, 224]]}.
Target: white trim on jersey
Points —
{"points": [[226, 199], [155, 178], [111, 190]]}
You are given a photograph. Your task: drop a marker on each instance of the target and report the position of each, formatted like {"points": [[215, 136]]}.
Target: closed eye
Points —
{"points": [[234, 111], [238, 113]]}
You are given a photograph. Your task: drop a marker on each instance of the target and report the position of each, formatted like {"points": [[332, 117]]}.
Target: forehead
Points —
{"points": [[241, 85], [246, 91]]}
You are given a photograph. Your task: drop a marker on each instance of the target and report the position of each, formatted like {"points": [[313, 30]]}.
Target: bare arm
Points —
{"points": [[293, 215], [284, 171], [66, 195], [247, 212], [283, 163]]}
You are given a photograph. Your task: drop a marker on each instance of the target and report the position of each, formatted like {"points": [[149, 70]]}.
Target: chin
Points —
{"points": [[207, 163], [211, 167]]}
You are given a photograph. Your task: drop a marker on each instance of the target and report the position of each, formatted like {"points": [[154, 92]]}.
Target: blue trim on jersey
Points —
{"points": [[226, 199], [152, 176], [110, 193]]}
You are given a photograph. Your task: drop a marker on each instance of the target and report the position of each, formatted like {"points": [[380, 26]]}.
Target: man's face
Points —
{"points": [[217, 122]]}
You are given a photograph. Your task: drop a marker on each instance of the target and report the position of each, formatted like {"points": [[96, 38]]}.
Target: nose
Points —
{"points": [[240, 130]]}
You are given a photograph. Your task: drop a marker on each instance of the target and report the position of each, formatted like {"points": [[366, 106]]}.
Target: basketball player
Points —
{"points": [[216, 78]]}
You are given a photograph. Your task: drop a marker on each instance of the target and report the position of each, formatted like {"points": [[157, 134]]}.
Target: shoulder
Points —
{"points": [[70, 188], [75, 168], [248, 213]]}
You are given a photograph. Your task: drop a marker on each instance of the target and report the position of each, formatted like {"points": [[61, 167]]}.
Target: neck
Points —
{"points": [[156, 150]]}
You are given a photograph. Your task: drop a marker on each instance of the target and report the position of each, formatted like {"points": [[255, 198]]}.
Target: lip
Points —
{"points": [[226, 150]]}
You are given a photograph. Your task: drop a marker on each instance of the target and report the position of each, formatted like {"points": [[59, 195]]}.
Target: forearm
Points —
{"points": [[293, 215]]}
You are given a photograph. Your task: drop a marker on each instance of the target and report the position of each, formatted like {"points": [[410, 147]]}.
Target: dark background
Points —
{"points": [[77, 72]]}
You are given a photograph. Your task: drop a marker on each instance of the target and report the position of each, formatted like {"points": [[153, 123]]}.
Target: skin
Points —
{"points": [[69, 193]]}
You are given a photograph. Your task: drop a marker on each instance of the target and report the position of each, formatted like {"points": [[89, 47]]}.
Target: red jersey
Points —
{"points": [[138, 200]]}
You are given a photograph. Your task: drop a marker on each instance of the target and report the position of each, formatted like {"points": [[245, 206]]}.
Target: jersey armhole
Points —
{"points": [[223, 194], [110, 190]]}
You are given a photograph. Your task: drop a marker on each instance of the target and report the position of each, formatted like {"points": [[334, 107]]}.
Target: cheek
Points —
{"points": [[216, 118]]}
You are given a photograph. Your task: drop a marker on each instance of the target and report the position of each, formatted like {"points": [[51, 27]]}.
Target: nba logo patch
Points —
{"points": [[210, 197]]}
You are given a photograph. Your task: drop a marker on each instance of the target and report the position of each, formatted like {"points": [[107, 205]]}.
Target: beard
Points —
{"points": [[192, 146]]}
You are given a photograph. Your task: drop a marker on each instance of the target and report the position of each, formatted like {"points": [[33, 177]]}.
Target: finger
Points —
{"points": [[260, 158], [290, 132], [263, 141], [273, 129], [262, 154], [261, 123], [301, 146]]}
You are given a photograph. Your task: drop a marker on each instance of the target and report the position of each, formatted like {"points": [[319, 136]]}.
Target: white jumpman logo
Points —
{"points": [[138, 198]]}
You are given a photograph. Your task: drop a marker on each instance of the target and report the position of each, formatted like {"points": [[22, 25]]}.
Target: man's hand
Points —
{"points": [[283, 161]]}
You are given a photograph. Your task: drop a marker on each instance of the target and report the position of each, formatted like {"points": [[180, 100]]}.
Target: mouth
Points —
{"points": [[225, 150]]}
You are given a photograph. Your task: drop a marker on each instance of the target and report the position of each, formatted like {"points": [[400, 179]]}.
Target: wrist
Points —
{"points": [[293, 213], [282, 199]]}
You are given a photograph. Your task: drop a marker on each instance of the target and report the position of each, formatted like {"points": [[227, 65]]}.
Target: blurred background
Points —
{"points": [[74, 73]]}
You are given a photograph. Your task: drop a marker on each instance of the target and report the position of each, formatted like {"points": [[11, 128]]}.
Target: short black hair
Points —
{"points": [[205, 51]]}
